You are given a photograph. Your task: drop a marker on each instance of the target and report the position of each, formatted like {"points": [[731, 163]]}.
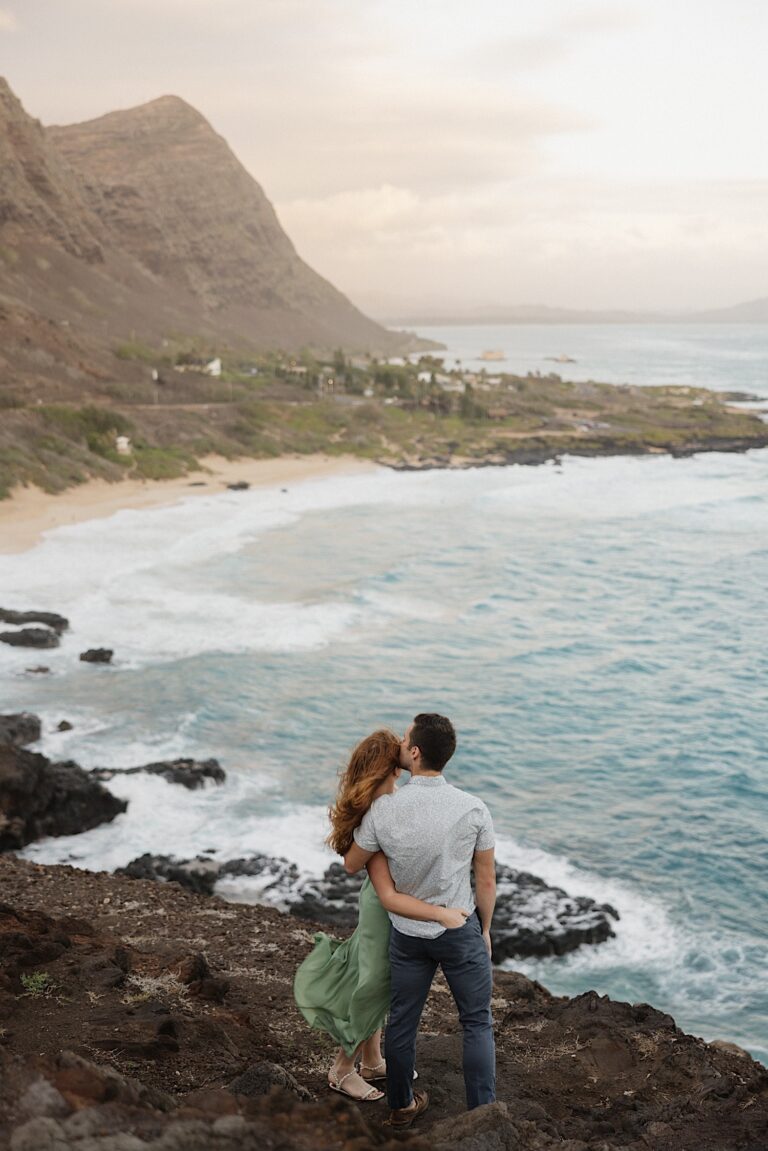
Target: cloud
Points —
{"points": [[327, 95], [7, 21], [596, 19], [423, 140], [576, 243], [484, 152], [515, 52]]}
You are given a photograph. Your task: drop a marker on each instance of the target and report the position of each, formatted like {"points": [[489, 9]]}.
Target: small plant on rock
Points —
{"points": [[38, 983]]}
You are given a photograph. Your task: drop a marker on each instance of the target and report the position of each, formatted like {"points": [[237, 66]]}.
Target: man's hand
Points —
{"points": [[452, 917], [487, 942]]}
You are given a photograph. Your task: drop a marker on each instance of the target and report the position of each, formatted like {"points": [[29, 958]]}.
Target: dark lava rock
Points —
{"points": [[240, 486], [64, 725], [38, 670], [531, 918], [198, 875], [331, 899], [85, 1085], [190, 773], [97, 655], [201, 874], [30, 637], [262, 1077], [28, 939], [145, 1036], [279, 879], [193, 971], [534, 919], [49, 618], [18, 729], [38, 797]]}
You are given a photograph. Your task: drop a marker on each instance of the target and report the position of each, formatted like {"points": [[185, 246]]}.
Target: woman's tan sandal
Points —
{"points": [[378, 1072], [371, 1095]]}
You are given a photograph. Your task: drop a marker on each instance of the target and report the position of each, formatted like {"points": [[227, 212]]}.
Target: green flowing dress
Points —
{"points": [[342, 987]]}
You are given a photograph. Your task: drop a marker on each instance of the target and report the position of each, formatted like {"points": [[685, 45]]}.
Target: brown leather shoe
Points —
{"points": [[404, 1116]]}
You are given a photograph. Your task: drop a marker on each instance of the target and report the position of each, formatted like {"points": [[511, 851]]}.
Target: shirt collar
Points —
{"points": [[426, 781]]}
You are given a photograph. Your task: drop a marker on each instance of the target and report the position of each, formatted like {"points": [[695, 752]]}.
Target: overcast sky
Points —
{"points": [[431, 153]]}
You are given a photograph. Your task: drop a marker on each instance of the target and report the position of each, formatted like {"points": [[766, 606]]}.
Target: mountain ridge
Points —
{"points": [[142, 224]]}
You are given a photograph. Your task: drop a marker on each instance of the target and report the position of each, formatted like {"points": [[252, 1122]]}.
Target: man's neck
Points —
{"points": [[424, 773]]}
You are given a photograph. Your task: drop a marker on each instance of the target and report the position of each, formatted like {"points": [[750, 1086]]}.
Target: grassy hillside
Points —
{"points": [[409, 416]]}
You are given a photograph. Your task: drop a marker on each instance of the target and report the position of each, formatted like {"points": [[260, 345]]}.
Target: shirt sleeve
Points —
{"points": [[485, 836], [365, 834]]}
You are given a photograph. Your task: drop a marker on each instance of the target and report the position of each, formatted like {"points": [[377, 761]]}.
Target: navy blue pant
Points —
{"points": [[466, 964]]}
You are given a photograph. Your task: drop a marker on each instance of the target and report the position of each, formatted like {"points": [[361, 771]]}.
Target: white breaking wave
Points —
{"points": [[645, 932], [630, 486], [91, 741], [166, 819], [682, 967], [128, 581]]}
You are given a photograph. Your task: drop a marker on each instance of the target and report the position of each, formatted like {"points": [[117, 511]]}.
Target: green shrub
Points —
{"points": [[162, 463], [80, 423], [132, 350], [37, 983]]}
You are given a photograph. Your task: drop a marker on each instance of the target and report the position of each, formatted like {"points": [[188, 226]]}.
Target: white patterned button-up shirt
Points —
{"points": [[429, 831]]}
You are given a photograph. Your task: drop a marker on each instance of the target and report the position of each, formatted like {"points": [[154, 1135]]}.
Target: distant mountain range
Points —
{"points": [[752, 312], [140, 225]]}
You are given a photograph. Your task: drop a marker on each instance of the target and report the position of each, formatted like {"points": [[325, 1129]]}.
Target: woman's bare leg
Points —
{"points": [[370, 1053]]}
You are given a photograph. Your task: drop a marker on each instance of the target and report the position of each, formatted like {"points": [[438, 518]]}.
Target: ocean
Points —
{"points": [[596, 629], [726, 357]]}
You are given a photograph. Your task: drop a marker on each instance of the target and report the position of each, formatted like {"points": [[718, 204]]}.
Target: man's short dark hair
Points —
{"points": [[435, 738]]}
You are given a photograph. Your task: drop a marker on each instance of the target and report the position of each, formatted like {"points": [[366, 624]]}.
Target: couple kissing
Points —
{"points": [[420, 843]]}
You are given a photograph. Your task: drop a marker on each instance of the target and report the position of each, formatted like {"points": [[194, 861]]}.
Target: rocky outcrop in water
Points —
{"points": [[50, 618], [19, 729], [38, 797], [97, 655], [278, 878], [531, 919], [190, 773], [109, 1043], [30, 637]]}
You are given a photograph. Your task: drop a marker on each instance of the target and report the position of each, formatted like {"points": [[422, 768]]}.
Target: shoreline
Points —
{"points": [[31, 512]]}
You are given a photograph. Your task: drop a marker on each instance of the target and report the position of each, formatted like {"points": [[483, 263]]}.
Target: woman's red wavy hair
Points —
{"points": [[375, 758]]}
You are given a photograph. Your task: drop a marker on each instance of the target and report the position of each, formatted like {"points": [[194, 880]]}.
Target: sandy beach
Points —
{"points": [[31, 512]]}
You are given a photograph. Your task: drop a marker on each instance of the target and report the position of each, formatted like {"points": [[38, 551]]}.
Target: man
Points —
{"points": [[433, 835]]}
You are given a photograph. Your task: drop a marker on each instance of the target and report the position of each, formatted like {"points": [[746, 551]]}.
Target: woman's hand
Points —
{"points": [[452, 917]]}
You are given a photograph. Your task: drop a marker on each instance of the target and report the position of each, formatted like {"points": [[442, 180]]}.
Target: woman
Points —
{"points": [[343, 987]]}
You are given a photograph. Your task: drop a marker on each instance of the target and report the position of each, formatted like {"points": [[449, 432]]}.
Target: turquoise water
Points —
{"points": [[597, 631]]}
